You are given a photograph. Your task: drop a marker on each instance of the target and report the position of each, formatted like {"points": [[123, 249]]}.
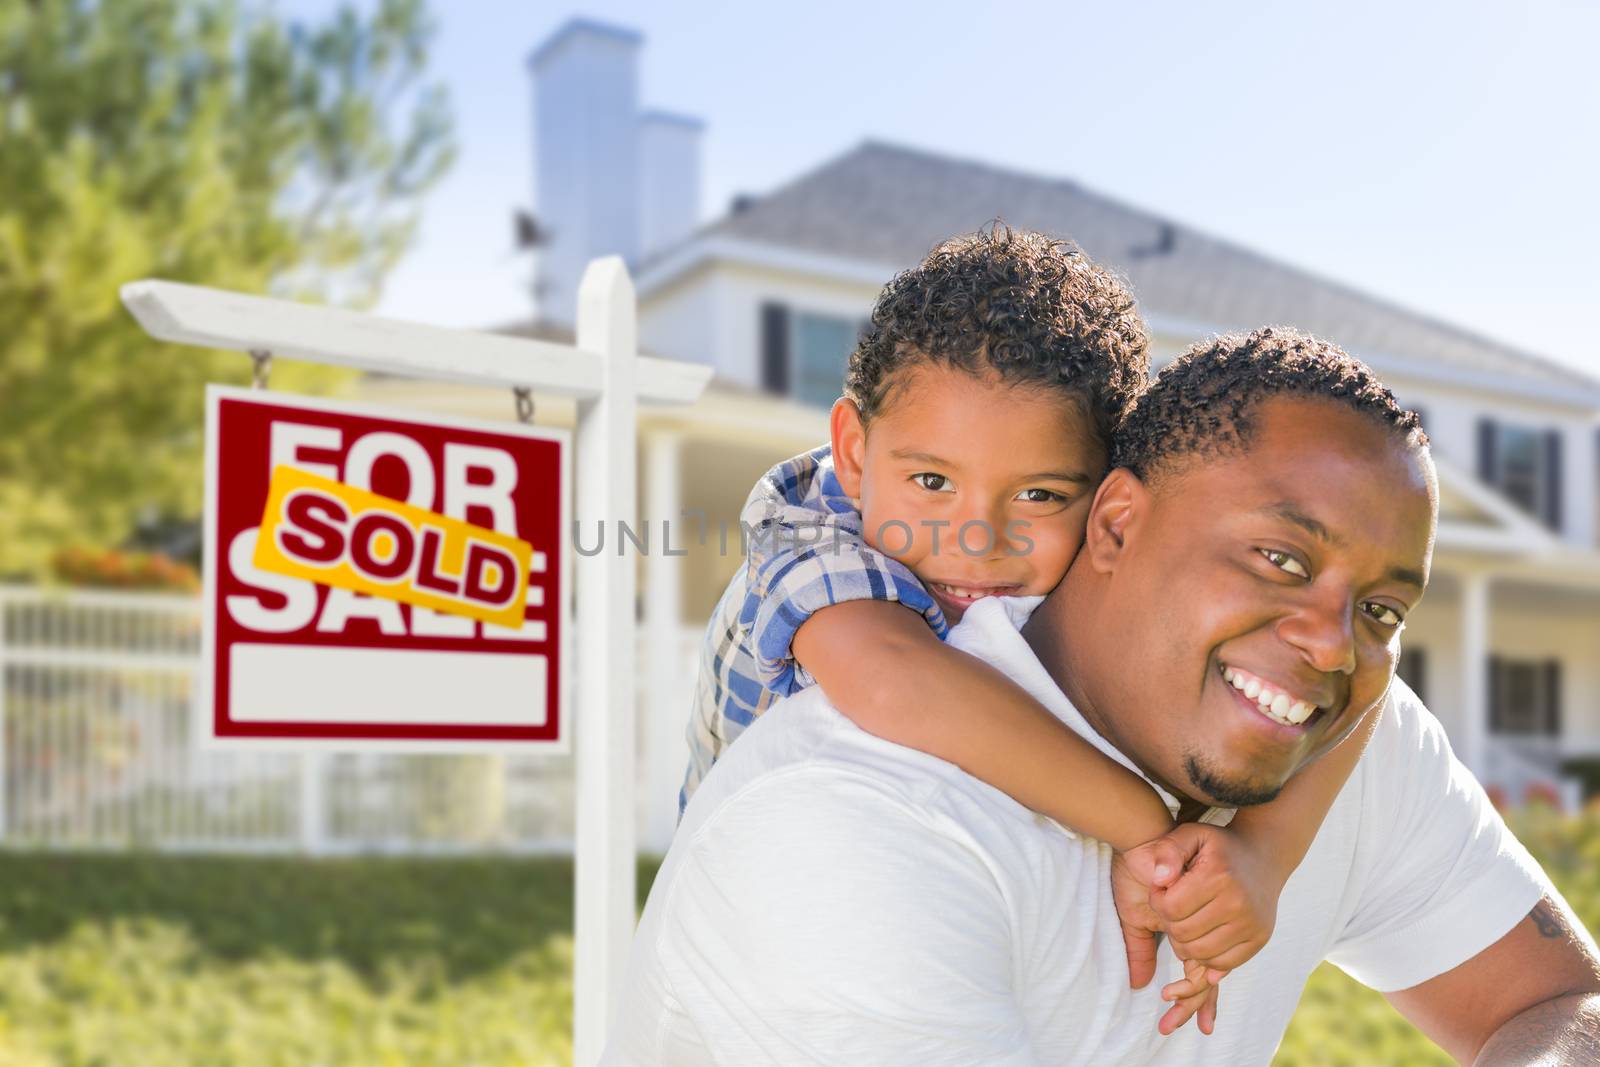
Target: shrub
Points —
{"points": [[138, 959]]}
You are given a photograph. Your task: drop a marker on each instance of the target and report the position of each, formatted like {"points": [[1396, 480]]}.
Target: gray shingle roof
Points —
{"points": [[887, 204]]}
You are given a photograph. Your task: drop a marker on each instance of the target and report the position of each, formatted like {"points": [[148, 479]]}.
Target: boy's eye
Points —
{"points": [[1383, 613], [1040, 496], [1285, 562], [934, 483]]}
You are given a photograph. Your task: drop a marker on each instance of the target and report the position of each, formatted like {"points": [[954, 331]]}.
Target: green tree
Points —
{"points": [[203, 141]]}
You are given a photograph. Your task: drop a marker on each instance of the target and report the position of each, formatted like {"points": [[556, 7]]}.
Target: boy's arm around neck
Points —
{"points": [[882, 666]]}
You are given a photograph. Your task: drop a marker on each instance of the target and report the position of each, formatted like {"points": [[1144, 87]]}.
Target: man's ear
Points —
{"points": [[849, 446], [1119, 505]]}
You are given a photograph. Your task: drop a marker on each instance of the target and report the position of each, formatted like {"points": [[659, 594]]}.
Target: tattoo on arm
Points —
{"points": [[1564, 1029], [1548, 920]]}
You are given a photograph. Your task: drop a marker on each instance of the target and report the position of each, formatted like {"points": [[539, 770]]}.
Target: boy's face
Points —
{"points": [[981, 488]]}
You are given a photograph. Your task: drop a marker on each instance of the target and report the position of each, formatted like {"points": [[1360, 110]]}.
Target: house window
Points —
{"points": [[1413, 670], [822, 345], [803, 353], [1525, 697], [1520, 469], [1524, 464]]}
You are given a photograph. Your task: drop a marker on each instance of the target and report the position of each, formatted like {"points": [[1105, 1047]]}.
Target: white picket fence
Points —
{"points": [[96, 752]]}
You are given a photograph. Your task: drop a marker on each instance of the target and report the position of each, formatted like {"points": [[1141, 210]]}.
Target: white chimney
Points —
{"points": [[586, 156], [608, 179], [669, 179]]}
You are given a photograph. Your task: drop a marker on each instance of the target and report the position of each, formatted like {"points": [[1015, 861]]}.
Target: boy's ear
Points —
{"points": [[849, 446], [1119, 505]]}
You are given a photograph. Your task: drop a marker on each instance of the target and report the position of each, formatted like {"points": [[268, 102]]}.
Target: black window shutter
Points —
{"points": [[775, 348], [1552, 698], [1416, 676], [1488, 460], [1552, 479]]}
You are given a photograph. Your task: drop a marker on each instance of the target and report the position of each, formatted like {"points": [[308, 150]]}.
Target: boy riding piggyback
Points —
{"points": [[965, 452]]}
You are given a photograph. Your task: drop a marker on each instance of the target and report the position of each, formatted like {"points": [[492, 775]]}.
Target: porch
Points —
{"points": [[1503, 647]]}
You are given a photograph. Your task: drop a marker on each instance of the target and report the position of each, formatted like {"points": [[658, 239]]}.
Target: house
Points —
{"points": [[773, 292]]}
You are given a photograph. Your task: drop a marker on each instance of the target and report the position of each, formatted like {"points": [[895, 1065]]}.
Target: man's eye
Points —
{"points": [[1040, 496], [1285, 562], [934, 483], [1383, 613]]}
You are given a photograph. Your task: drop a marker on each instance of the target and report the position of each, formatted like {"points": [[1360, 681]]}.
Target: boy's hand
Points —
{"points": [[1136, 875], [1195, 992], [1213, 895], [1222, 909]]}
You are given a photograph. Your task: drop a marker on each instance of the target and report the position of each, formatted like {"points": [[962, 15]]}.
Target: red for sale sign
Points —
{"points": [[381, 581]]}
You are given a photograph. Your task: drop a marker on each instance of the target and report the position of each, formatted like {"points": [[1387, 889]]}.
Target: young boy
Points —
{"points": [[964, 456]]}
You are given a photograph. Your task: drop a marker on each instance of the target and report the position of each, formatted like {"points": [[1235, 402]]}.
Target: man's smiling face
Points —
{"points": [[1252, 603]]}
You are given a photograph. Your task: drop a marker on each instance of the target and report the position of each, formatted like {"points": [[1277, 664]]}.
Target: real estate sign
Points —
{"points": [[381, 580]]}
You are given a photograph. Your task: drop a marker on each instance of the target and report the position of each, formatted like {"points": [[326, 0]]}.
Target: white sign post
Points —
{"points": [[606, 376], [604, 865]]}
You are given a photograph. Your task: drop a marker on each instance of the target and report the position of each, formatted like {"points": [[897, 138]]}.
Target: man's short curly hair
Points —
{"points": [[1032, 308], [1205, 402]]}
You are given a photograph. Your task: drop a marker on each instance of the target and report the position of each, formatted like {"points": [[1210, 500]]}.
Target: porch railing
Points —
{"points": [[1524, 767], [96, 752]]}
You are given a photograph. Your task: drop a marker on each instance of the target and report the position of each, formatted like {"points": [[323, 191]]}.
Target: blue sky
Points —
{"points": [[1443, 156]]}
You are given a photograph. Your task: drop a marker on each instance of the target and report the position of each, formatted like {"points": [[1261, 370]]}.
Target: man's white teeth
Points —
{"points": [[1272, 703]]}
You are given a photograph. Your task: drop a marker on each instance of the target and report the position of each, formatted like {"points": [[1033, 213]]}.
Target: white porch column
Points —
{"points": [[1475, 671], [665, 701]]}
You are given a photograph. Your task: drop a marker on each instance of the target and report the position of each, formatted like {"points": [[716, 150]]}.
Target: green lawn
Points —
{"points": [[232, 962], [111, 960]]}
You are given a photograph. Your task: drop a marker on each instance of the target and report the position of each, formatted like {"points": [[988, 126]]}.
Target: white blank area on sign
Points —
{"points": [[298, 683]]}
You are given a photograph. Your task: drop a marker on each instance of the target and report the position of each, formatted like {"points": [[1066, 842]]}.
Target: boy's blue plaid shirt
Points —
{"points": [[805, 552]]}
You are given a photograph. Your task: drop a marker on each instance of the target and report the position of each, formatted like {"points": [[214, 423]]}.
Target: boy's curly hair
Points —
{"points": [[1205, 402], [1032, 308]]}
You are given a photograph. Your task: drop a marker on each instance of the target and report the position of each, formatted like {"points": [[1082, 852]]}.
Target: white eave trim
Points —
{"points": [[662, 272], [1486, 540], [1568, 569]]}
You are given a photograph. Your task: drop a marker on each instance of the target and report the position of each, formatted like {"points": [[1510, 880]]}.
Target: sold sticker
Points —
{"points": [[349, 538]]}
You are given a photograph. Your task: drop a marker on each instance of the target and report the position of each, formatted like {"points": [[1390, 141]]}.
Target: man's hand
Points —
{"points": [[1222, 909]]}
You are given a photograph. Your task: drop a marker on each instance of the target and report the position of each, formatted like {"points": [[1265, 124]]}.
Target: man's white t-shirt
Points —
{"points": [[832, 898]]}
